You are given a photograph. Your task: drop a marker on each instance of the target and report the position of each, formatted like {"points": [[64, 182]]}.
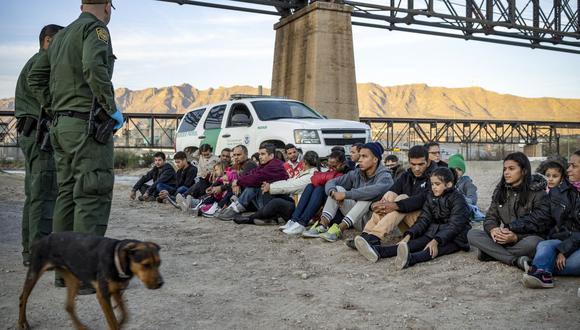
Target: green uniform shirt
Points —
{"points": [[25, 104], [77, 66]]}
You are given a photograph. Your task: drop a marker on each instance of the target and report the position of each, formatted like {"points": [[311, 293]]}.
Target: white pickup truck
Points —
{"points": [[252, 120]]}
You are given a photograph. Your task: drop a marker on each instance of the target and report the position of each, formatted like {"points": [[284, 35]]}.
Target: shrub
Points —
{"points": [[126, 159]]}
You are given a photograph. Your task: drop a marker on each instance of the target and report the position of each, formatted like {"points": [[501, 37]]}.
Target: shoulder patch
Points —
{"points": [[102, 35]]}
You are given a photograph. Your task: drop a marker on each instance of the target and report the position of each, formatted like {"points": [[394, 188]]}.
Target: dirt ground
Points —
{"points": [[220, 275]]}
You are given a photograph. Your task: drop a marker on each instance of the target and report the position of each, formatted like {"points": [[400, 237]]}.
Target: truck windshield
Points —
{"points": [[276, 109]]}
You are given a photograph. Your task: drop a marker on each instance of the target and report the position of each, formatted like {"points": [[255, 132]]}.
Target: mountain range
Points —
{"points": [[404, 101]]}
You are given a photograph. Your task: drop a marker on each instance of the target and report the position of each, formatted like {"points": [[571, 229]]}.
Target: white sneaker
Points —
{"points": [[211, 211], [287, 225], [234, 206], [294, 229], [182, 202]]}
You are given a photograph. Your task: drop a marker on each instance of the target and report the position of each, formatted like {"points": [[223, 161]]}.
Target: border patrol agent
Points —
{"points": [[40, 178], [70, 78]]}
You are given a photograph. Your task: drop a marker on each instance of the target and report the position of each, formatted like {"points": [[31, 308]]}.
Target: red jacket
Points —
{"points": [[293, 171], [320, 178], [270, 172]]}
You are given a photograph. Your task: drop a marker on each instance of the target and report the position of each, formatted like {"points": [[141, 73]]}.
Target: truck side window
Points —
{"points": [[240, 116], [214, 117], [190, 120]]}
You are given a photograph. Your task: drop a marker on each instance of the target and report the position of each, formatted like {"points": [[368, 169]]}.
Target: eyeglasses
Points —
{"points": [[435, 152]]}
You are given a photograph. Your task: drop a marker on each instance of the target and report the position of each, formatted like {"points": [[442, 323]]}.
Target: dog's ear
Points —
{"points": [[130, 248], [156, 246]]}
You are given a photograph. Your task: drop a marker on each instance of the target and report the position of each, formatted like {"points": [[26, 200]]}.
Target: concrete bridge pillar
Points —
{"points": [[533, 150], [314, 59]]}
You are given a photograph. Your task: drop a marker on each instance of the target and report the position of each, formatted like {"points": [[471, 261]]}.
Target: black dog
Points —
{"points": [[107, 264]]}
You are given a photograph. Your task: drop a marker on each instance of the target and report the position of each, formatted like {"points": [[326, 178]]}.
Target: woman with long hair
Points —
{"points": [[518, 194]]}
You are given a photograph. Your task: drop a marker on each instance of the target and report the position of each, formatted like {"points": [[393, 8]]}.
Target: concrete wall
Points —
{"points": [[314, 60]]}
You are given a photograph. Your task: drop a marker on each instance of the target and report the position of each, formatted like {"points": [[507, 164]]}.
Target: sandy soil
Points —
{"points": [[221, 275]]}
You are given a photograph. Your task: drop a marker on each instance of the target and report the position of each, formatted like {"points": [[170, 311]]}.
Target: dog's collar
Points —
{"points": [[118, 263]]}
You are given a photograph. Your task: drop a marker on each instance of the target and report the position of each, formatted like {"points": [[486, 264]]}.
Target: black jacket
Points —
{"points": [[166, 175], [444, 218], [558, 217], [186, 177], [415, 188], [442, 164], [397, 171], [506, 212]]}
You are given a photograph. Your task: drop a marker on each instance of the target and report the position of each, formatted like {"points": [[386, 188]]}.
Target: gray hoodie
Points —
{"points": [[468, 189], [361, 188]]}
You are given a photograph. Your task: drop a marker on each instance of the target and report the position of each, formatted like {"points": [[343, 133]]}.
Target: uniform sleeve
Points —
{"points": [[97, 66], [38, 79]]}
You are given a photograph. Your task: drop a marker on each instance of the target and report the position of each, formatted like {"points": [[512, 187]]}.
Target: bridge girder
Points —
{"points": [[544, 24]]}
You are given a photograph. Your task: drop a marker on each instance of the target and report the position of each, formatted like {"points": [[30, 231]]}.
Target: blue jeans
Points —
{"points": [[164, 186], [249, 196], [310, 202], [545, 259], [181, 190]]}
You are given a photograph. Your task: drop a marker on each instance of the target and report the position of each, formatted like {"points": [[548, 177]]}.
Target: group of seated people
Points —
{"points": [[533, 221]]}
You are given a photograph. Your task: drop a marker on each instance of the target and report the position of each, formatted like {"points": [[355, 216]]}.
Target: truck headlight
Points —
{"points": [[306, 136]]}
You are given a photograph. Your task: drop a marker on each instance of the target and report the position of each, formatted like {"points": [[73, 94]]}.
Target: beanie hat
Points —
{"points": [[376, 148], [457, 161]]}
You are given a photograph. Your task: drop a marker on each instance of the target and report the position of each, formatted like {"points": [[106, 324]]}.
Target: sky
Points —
{"points": [[160, 44]]}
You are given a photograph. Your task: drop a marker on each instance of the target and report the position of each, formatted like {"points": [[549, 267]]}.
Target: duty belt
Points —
{"points": [[74, 114]]}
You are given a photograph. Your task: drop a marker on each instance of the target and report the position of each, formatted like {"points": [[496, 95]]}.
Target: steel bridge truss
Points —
{"points": [[141, 131], [544, 24], [158, 131], [403, 132]]}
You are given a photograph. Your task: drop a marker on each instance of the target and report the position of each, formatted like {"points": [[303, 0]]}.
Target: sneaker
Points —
{"points": [[217, 212], [227, 214], [350, 243], [332, 234], [482, 256], [287, 225], [147, 199], [209, 211], [294, 229], [314, 231], [241, 219], [402, 259], [523, 263], [180, 201], [368, 251], [183, 202], [538, 279], [239, 207], [172, 202]]}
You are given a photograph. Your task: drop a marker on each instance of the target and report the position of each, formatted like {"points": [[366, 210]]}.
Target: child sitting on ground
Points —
{"points": [[465, 186], [440, 229], [222, 174], [554, 172]]}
